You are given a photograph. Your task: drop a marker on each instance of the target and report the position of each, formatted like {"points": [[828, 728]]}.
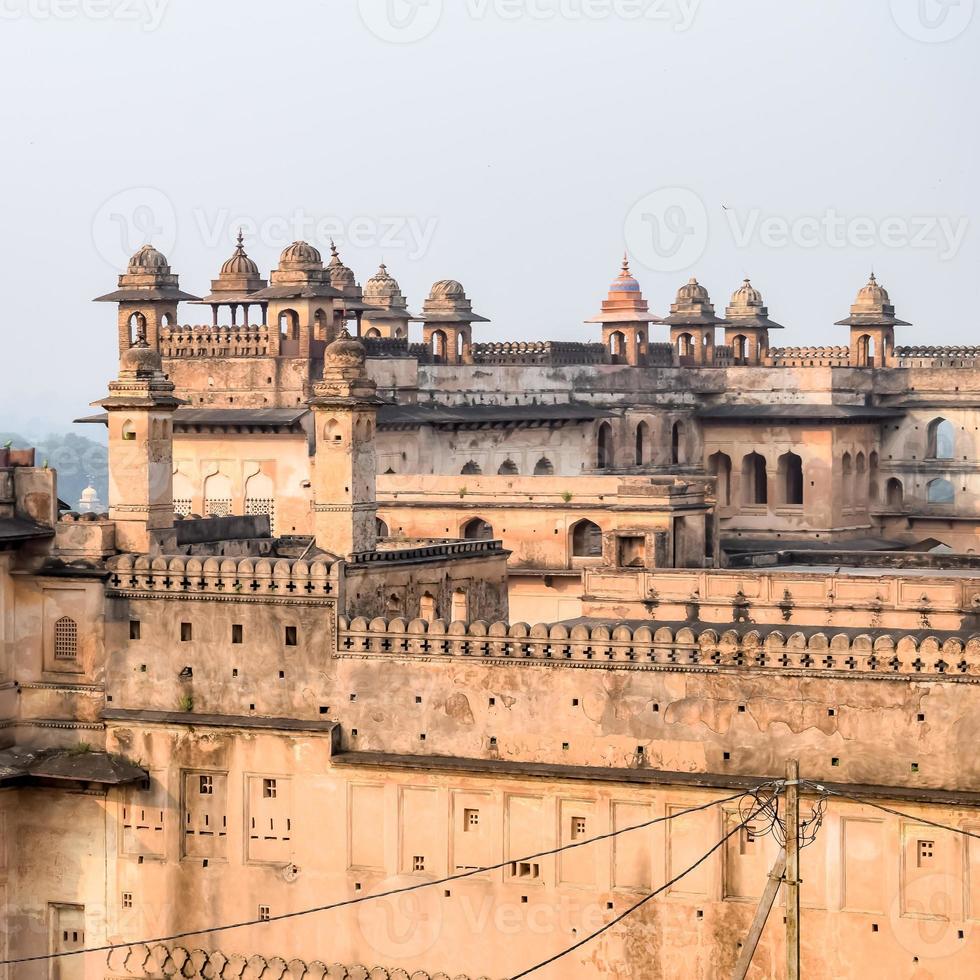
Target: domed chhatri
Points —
{"points": [[148, 260], [300, 255], [625, 302], [381, 288], [747, 296], [872, 307], [693, 306], [239, 264], [873, 294], [447, 289], [624, 282], [693, 292], [748, 309], [447, 301]]}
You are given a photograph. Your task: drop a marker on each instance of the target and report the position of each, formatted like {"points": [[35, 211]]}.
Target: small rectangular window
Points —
{"points": [[290, 636], [134, 629], [925, 852], [186, 632], [471, 820], [127, 900], [265, 913], [418, 862], [207, 786], [237, 632], [746, 839], [269, 789], [578, 828], [524, 869]]}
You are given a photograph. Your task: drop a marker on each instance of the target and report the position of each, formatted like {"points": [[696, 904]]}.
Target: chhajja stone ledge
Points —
{"points": [[831, 650], [169, 575], [156, 962]]}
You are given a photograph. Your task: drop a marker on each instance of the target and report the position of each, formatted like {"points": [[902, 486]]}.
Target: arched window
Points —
{"points": [[720, 466], [260, 498], [320, 325], [941, 439], [642, 443], [289, 325], [740, 349], [129, 431], [894, 495], [940, 492], [586, 540], [544, 467], [427, 607], [439, 345], [472, 468], [332, 431], [137, 328], [477, 529], [847, 480], [605, 452], [459, 612], [617, 346], [866, 351], [791, 479], [372, 333], [66, 639], [755, 491], [183, 494], [217, 495], [508, 468], [860, 478], [381, 528], [685, 346], [677, 454]]}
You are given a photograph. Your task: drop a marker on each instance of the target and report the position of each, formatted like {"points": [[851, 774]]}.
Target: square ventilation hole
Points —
{"points": [[574, 702], [835, 761]]}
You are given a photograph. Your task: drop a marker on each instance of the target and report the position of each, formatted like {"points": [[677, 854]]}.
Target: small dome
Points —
{"points": [[340, 276], [447, 289], [300, 255], [345, 351], [140, 359], [89, 494], [747, 295], [381, 286], [625, 283], [692, 292], [148, 259], [872, 294], [239, 264]]}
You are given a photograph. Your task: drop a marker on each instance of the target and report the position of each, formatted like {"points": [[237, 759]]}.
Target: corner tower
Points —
{"points": [[692, 326], [345, 409], [625, 320], [140, 405], [448, 317]]}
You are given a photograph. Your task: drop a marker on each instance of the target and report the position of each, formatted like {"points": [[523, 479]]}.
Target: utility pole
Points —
{"points": [[792, 829], [751, 943]]}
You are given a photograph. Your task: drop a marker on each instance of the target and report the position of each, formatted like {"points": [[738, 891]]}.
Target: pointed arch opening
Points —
{"points": [[605, 449], [477, 529], [755, 490], [941, 439], [790, 469], [586, 538], [544, 467], [720, 467], [642, 448]]}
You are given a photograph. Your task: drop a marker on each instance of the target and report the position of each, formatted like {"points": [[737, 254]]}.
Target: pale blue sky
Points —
{"points": [[506, 149]]}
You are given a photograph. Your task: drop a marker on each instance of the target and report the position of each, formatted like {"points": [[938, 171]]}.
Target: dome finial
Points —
{"points": [[333, 248], [626, 265], [241, 238]]}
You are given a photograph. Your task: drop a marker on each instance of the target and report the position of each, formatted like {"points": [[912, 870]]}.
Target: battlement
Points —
{"points": [[666, 648], [547, 352], [937, 357], [810, 356], [211, 341], [168, 575], [436, 551]]}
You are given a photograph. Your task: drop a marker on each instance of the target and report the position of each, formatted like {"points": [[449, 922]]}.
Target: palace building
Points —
{"points": [[365, 614]]}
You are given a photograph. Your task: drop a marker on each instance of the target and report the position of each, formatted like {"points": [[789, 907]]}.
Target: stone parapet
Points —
{"points": [[210, 341], [809, 357]]}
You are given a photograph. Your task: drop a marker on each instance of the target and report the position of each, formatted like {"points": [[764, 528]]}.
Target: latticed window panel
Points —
{"points": [[217, 508], [262, 505], [182, 506], [66, 639]]}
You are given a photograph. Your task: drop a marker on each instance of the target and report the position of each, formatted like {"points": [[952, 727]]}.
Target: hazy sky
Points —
{"points": [[515, 145]]}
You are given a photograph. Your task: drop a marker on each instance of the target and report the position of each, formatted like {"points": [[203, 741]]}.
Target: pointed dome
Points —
{"points": [[148, 260], [381, 286], [873, 295], [300, 255], [239, 264], [693, 292], [747, 296], [693, 306], [340, 276], [345, 351], [625, 302], [747, 308], [873, 307]]}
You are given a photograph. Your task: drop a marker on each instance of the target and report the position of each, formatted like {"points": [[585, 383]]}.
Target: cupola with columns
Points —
{"points": [[692, 323], [448, 316], [747, 325], [872, 322], [238, 279], [386, 314], [147, 298], [625, 319]]}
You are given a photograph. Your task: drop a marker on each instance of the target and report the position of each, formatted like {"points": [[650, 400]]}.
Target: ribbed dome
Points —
{"points": [[140, 359], [872, 294], [447, 289], [746, 295], [692, 292], [239, 264], [340, 276], [148, 259], [300, 255], [345, 351]]}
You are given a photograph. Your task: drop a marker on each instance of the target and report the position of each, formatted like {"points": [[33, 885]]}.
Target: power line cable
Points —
{"points": [[110, 947], [627, 912], [857, 798]]}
